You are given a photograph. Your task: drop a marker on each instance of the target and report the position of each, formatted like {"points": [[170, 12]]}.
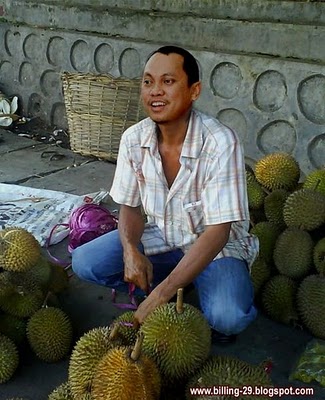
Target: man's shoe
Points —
{"points": [[221, 338]]}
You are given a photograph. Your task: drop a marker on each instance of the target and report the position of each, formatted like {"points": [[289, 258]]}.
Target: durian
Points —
{"points": [[85, 356], [311, 306], [315, 180], [59, 278], [273, 206], [49, 332], [178, 337], [125, 373], [9, 358], [304, 209], [260, 274], [293, 253], [12, 327], [62, 392], [279, 299], [256, 195], [126, 331], [277, 171], [267, 234], [21, 296], [226, 373], [19, 249], [319, 256]]}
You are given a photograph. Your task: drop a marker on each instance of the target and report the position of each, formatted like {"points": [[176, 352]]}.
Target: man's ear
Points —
{"points": [[196, 90]]}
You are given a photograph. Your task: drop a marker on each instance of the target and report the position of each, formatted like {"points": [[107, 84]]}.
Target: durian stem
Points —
{"points": [[136, 352], [46, 299], [114, 331], [317, 184], [179, 301]]}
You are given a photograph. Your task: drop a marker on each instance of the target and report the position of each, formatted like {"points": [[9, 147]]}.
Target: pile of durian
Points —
{"points": [[29, 307], [169, 354], [288, 217]]}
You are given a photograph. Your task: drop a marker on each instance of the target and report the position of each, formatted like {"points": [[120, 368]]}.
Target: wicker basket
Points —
{"points": [[99, 109]]}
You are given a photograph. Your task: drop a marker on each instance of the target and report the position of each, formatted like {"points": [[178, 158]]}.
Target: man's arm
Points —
{"points": [[137, 267], [200, 254]]}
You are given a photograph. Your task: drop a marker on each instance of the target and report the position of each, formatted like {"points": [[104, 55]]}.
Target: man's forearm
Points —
{"points": [[201, 253], [131, 227]]}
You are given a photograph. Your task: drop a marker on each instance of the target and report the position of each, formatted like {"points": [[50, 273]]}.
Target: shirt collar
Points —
{"points": [[193, 140]]}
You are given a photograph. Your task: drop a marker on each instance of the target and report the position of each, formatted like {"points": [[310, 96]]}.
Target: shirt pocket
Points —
{"points": [[194, 216]]}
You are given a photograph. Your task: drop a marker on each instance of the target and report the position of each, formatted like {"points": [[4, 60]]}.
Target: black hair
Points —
{"points": [[190, 65]]}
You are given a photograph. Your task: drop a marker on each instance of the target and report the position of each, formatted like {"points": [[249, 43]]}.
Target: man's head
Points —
{"points": [[190, 65], [170, 84]]}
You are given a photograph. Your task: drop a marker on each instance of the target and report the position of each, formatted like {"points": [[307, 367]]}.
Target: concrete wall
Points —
{"points": [[262, 62]]}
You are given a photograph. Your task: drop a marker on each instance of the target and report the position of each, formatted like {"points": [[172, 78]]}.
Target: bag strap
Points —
{"points": [[48, 243]]}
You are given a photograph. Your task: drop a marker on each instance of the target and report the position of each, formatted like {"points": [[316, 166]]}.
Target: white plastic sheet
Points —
{"points": [[39, 210]]}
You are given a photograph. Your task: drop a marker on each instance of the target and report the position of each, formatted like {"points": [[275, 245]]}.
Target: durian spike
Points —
{"points": [[136, 352], [179, 301], [114, 332]]}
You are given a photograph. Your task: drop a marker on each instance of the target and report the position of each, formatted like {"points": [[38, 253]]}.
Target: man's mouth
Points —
{"points": [[158, 104]]}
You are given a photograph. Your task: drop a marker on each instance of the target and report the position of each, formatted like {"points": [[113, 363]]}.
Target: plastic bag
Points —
{"points": [[311, 364]]}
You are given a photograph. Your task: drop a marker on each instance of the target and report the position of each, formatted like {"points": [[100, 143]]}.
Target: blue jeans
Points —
{"points": [[224, 288]]}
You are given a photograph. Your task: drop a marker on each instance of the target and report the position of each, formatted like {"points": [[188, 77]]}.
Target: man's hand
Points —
{"points": [[147, 306], [138, 270]]}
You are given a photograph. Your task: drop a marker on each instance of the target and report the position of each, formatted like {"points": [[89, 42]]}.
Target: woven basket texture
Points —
{"points": [[99, 108]]}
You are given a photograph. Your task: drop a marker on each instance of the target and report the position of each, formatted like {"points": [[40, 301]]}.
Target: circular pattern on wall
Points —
{"points": [[277, 136], [26, 74], [58, 116], [129, 63], [311, 95], [316, 151], [103, 58], [11, 42], [33, 47], [270, 91], [50, 83], [35, 104], [225, 80], [235, 120], [80, 56], [6, 68], [57, 51]]}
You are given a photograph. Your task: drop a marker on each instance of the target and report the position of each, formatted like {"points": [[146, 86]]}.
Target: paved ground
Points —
{"points": [[90, 306]]}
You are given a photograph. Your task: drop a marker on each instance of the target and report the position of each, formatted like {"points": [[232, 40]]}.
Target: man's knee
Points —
{"points": [[80, 264]]}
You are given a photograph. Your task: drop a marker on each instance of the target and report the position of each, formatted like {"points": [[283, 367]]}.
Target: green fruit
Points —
{"points": [[293, 253], [279, 299], [311, 306], [126, 331], [260, 274], [178, 339], [228, 373], [62, 392], [12, 327], [49, 333], [19, 250], [315, 181], [120, 376], [304, 209], [273, 206], [277, 171], [319, 256], [86, 354], [59, 279], [256, 195], [267, 234], [9, 358]]}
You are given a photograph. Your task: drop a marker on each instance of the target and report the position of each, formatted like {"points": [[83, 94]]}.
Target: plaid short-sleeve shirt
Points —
{"points": [[209, 189]]}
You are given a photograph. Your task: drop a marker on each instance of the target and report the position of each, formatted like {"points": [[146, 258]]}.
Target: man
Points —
{"points": [[186, 170]]}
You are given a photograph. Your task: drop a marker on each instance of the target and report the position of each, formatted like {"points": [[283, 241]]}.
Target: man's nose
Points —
{"points": [[156, 89]]}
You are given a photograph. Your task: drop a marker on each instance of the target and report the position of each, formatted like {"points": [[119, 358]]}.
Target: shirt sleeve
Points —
{"points": [[125, 188], [224, 197]]}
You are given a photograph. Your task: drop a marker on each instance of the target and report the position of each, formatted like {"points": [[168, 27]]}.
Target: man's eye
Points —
{"points": [[146, 82], [168, 81]]}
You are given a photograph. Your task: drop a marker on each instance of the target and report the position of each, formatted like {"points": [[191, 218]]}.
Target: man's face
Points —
{"points": [[165, 92]]}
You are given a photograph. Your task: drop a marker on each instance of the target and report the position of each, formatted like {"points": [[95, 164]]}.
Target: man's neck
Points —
{"points": [[173, 133]]}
